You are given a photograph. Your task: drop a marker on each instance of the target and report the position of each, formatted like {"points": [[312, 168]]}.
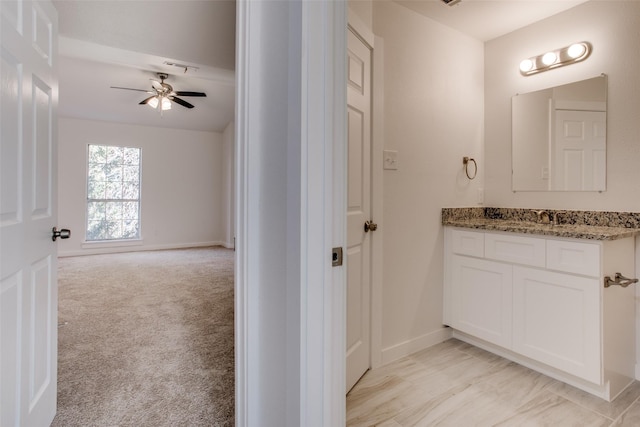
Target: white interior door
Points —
{"points": [[28, 287], [580, 150], [358, 254]]}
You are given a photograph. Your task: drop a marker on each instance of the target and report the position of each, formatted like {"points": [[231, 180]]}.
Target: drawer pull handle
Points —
{"points": [[618, 279]]}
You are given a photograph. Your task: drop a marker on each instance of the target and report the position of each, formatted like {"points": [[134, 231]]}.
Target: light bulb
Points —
{"points": [[153, 102], [166, 104], [576, 50], [549, 58], [526, 65]]}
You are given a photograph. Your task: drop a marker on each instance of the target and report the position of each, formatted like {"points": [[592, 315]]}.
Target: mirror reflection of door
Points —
{"points": [[579, 151]]}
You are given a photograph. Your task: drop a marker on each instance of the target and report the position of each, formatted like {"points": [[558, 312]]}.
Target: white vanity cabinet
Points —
{"points": [[557, 320], [541, 301]]}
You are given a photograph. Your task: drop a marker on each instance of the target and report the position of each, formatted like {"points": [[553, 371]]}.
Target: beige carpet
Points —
{"points": [[146, 339]]}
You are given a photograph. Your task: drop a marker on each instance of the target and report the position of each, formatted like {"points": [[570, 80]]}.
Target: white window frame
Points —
{"points": [[107, 241]]}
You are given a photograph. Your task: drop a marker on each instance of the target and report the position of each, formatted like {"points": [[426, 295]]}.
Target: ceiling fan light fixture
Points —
{"points": [[166, 104], [162, 94]]}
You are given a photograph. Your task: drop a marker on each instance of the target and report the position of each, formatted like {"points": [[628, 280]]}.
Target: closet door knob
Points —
{"points": [[370, 225]]}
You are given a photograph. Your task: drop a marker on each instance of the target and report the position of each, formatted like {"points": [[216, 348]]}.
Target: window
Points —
{"points": [[113, 193]]}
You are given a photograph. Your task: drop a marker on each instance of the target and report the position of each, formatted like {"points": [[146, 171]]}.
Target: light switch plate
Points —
{"points": [[390, 159]]}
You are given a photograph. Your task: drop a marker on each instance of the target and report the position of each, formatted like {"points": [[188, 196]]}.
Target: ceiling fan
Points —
{"points": [[162, 94]]}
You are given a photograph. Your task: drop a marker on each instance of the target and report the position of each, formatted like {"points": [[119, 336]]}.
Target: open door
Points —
{"points": [[358, 209], [28, 213]]}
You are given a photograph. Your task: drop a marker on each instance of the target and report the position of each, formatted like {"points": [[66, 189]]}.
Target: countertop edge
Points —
{"points": [[568, 231]]}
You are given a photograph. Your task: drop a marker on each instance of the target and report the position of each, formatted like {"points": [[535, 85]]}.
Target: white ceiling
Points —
{"points": [[125, 43], [487, 19]]}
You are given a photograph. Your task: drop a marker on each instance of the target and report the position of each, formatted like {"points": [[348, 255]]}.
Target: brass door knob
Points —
{"points": [[370, 225]]}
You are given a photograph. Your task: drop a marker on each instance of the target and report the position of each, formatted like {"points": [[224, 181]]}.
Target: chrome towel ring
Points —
{"points": [[465, 162]]}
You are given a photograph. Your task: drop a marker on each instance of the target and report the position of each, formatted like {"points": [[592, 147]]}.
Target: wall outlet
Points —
{"points": [[480, 196], [390, 159]]}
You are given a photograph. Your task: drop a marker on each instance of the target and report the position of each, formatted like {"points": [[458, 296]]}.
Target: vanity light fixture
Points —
{"points": [[555, 58]]}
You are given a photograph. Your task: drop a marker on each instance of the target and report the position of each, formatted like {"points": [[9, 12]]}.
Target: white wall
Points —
{"points": [[613, 28], [433, 117], [181, 184], [290, 339], [363, 10]]}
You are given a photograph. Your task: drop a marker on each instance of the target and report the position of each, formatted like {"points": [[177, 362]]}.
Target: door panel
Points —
{"points": [[358, 210], [482, 293], [28, 280], [580, 150], [557, 320]]}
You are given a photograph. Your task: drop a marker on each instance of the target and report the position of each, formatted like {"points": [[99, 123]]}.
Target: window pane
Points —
{"points": [[114, 210], [130, 173], [97, 230], [130, 210], [130, 190], [96, 189], [96, 211], [132, 156], [97, 154], [113, 172], [113, 190], [115, 229], [129, 229], [113, 176], [115, 155], [96, 171]]}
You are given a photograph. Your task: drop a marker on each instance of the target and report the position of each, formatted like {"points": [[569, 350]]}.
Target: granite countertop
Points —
{"points": [[577, 225]]}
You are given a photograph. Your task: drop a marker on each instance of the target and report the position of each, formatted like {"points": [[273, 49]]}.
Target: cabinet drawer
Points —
{"points": [[574, 257], [515, 249], [467, 243]]}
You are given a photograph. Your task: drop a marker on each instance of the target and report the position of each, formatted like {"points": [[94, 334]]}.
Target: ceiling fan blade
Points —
{"points": [[128, 88], [146, 101], [187, 93], [181, 102]]}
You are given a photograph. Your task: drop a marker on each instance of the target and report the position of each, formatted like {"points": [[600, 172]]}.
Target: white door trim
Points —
{"points": [[324, 147], [310, 345], [377, 194]]}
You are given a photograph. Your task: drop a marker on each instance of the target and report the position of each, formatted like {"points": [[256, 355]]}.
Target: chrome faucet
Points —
{"points": [[543, 217]]}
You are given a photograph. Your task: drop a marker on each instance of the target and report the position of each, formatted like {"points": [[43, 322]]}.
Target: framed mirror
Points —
{"points": [[559, 137]]}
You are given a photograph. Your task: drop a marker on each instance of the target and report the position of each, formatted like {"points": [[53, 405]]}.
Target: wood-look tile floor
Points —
{"points": [[459, 385]]}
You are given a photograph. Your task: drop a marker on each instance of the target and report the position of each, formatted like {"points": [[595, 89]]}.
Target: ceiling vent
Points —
{"points": [[450, 2]]}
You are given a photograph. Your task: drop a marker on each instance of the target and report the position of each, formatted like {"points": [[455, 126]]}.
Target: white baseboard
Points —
{"points": [[138, 248], [408, 347]]}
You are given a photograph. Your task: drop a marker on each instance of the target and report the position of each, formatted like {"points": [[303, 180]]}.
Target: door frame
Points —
{"points": [[297, 327]]}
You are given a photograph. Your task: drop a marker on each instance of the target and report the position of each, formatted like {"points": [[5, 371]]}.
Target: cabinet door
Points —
{"points": [[481, 299], [557, 320]]}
